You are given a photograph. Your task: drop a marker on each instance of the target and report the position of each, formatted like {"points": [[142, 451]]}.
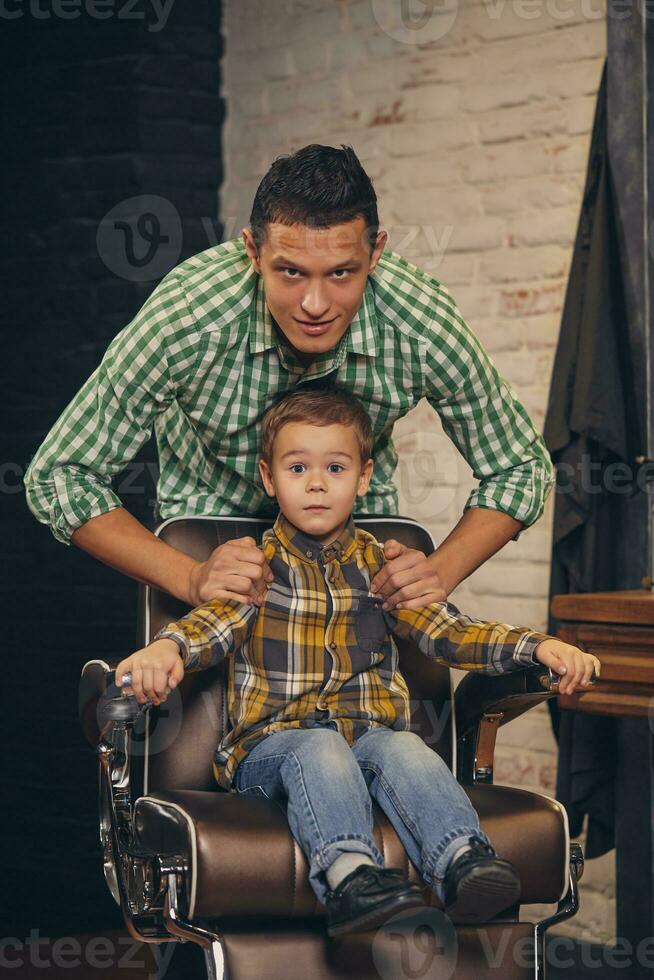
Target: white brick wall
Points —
{"points": [[475, 129]]}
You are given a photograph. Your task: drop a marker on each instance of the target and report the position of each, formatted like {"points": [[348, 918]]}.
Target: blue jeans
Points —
{"points": [[328, 787]]}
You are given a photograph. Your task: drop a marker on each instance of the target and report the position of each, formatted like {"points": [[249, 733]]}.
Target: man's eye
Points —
{"points": [[344, 271], [289, 270]]}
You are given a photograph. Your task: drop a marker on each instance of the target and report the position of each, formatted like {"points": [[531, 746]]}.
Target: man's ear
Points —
{"points": [[364, 479], [266, 478], [380, 245], [251, 249]]}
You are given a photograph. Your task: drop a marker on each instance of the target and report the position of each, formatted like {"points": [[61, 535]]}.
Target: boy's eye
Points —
{"points": [[299, 467]]}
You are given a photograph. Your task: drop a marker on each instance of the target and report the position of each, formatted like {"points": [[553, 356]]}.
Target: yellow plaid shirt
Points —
{"points": [[321, 649]]}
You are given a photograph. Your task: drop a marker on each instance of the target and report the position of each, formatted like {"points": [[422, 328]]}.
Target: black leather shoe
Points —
{"points": [[479, 884], [368, 896]]}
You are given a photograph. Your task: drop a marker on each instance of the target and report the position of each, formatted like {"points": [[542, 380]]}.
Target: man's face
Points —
{"points": [[316, 474], [314, 279]]}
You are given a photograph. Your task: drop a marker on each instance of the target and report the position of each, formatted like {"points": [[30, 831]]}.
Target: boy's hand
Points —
{"points": [[573, 665], [236, 569], [155, 669]]}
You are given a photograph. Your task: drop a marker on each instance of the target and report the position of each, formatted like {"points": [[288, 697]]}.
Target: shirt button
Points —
{"points": [[332, 646], [309, 554]]}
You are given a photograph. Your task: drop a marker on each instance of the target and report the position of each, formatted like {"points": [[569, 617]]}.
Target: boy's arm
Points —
{"points": [[210, 632], [445, 634]]}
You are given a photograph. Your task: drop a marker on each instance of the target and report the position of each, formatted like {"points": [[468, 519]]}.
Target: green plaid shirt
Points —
{"points": [[320, 649], [202, 361]]}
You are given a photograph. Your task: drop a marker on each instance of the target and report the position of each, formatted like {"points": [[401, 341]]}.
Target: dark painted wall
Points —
{"points": [[96, 112]]}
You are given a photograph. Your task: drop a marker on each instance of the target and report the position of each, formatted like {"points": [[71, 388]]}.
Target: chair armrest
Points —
{"points": [[511, 693], [483, 703]]}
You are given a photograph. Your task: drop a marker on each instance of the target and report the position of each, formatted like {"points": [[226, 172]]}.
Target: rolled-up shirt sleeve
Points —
{"points": [[69, 479], [484, 418]]}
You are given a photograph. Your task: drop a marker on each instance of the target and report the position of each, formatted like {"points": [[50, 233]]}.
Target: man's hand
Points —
{"points": [[408, 579], [155, 670], [236, 569], [574, 665]]}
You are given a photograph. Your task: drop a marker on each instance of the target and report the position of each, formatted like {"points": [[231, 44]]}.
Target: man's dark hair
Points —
{"points": [[319, 186]]}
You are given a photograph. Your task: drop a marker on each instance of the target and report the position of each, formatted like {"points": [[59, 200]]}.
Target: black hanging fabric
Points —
{"points": [[593, 433]]}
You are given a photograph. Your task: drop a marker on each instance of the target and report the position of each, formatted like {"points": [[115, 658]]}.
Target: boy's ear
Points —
{"points": [[364, 479], [266, 478]]}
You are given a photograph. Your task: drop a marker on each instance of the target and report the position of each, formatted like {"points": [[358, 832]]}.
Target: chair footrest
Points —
{"points": [[243, 860]]}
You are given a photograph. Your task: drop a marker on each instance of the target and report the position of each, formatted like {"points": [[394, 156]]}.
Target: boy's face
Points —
{"points": [[316, 475], [314, 279]]}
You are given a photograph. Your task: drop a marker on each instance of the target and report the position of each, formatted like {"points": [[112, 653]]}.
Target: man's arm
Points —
{"points": [[237, 569], [68, 483], [479, 534], [211, 632], [410, 579], [487, 423], [69, 480], [485, 420], [119, 540]]}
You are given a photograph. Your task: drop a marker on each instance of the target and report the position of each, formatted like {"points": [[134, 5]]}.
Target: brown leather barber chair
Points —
{"points": [[189, 862]]}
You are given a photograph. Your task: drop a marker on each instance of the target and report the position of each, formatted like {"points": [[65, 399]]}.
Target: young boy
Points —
{"points": [[319, 709]]}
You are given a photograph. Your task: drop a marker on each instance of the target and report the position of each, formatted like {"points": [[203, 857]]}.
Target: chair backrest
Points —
{"points": [[179, 745]]}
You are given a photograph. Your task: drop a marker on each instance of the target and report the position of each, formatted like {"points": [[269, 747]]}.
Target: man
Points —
{"points": [[310, 293]]}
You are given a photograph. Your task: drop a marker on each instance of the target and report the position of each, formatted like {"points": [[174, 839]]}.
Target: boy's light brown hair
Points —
{"points": [[317, 406]]}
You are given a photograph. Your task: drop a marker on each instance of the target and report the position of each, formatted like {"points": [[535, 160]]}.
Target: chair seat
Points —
{"points": [[244, 861]]}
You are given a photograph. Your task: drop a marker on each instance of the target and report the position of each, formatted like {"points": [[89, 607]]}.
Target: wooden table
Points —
{"points": [[618, 627]]}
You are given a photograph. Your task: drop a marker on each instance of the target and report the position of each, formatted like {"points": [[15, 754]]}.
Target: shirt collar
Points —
{"points": [[360, 338], [260, 325], [308, 549]]}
